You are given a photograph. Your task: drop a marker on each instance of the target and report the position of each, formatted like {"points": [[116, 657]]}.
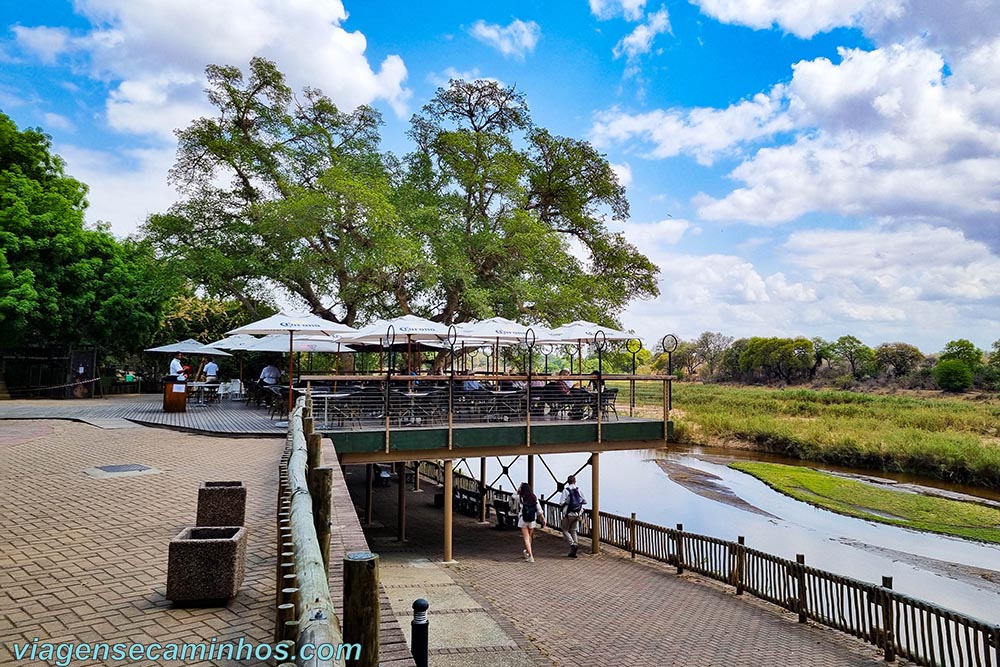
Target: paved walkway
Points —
{"points": [[492, 608], [84, 559]]}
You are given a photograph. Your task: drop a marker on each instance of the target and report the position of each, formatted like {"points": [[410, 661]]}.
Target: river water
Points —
{"points": [[954, 573]]}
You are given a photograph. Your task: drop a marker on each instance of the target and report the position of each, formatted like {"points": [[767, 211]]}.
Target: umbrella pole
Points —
{"points": [[291, 371]]}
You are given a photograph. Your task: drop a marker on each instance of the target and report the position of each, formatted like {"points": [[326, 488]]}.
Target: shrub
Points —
{"points": [[953, 375]]}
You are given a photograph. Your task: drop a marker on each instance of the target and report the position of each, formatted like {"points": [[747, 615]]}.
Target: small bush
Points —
{"points": [[953, 375]]}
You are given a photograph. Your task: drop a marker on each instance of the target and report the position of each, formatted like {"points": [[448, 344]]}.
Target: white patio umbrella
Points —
{"points": [[239, 342], [291, 323], [189, 346], [581, 331], [501, 331], [414, 328], [279, 343]]}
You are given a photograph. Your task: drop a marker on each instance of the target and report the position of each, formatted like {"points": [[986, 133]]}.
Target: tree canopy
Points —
{"points": [[61, 282], [488, 215]]}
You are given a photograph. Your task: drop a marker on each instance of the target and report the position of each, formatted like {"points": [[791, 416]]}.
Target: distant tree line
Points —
{"points": [[845, 362]]}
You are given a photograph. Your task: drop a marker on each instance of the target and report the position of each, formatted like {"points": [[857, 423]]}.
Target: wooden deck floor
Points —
{"points": [[228, 418]]}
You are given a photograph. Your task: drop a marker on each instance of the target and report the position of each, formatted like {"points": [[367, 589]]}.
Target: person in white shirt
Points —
{"points": [[572, 502], [211, 371], [177, 367], [270, 374]]}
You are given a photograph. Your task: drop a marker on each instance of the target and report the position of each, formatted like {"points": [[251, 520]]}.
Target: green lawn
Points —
{"points": [[875, 503], [944, 438]]}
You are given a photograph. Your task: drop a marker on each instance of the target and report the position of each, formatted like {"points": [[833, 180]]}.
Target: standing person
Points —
{"points": [[572, 502], [177, 367], [529, 515], [211, 371], [270, 374]]}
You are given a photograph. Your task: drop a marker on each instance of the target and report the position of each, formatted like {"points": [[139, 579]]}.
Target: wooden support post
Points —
{"points": [[595, 508], [308, 425], [369, 493], [631, 535], [741, 563], [416, 476], [888, 639], [401, 509], [362, 610], [314, 450], [322, 499], [680, 548], [531, 472], [482, 490], [800, 577], [449, 497]]}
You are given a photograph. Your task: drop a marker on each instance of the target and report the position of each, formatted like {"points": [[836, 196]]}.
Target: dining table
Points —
{"points": [[200, 389]]}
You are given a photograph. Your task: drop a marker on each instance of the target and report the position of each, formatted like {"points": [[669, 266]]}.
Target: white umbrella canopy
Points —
{"points": [[406, 327], [237, 342], [582, 331], [291, 323], [279, 343], [189, 346]]}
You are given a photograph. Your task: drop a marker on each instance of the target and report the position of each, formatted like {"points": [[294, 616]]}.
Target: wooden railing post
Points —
{"points": [[362, 611], [631, 535], [680, 548], [800, 577], [322, 497], [888, 641]]}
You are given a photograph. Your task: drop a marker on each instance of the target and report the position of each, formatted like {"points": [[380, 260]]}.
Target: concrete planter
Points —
{"points": [[222, 504], [206, 563]]}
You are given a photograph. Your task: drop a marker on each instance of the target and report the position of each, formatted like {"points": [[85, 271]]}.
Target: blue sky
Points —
{"points": [[794, 168]]}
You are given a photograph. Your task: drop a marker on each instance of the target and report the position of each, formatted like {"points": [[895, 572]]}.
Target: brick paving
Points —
{"points": [[85, 559], [598, 610]]}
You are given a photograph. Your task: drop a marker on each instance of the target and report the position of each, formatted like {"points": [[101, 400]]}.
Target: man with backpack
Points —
{"points": [[572, 502]]}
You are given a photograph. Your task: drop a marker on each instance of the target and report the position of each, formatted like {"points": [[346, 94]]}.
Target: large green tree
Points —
{"points": [[489, 215], [60, 282], [855, 354], [965, 351]]}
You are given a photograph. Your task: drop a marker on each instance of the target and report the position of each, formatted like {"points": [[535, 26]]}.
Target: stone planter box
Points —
{"points": [[222, 504], [206, 564]]}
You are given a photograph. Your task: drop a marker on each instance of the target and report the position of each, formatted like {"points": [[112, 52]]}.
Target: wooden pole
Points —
{"points": [[362, 611], [314, 457], [401, 504], [482, 489], [449, 496], [322, 499], [595, 511], [531, 472], [369, 493], [317, 617]]}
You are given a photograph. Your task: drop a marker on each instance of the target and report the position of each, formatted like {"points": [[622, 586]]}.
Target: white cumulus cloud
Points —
{"points": [[631, 10], [515, 40], [640, 40]]}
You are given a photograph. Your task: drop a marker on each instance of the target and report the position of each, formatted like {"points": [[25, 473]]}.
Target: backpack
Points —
{"points": [[528, 512], [574, 503]]}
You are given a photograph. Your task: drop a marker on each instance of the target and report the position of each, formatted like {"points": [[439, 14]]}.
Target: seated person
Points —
{"points": [[596, 382], [270, 375], [211, 371], [472, 384]]}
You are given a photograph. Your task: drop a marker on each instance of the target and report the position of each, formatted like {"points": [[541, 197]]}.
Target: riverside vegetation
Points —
{"points": [[874, 503], [957, 440]]}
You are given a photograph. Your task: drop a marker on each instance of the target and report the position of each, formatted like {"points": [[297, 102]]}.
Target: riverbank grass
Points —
{"points": [[951, 439], [876, 503]]}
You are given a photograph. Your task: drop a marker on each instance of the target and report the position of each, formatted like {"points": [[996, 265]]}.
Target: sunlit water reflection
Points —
{"points": [[633, 482]]}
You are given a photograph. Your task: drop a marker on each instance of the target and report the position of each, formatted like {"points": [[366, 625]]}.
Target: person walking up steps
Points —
{"points": [[572, 502], [529, 515]]}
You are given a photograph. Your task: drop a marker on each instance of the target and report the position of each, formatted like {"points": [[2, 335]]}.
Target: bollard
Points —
{"points": [[362, 614], [419, 627]]}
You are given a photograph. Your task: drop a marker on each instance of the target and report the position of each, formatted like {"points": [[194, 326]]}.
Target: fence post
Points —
{"points": [[322, 497], [800, 576], [889, 644], [362, 609], [631, 535], [741, 560], [680, 548], [419, 636]]}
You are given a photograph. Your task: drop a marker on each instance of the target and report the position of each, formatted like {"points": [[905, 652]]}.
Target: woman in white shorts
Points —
{"points": [[529, 516]]}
